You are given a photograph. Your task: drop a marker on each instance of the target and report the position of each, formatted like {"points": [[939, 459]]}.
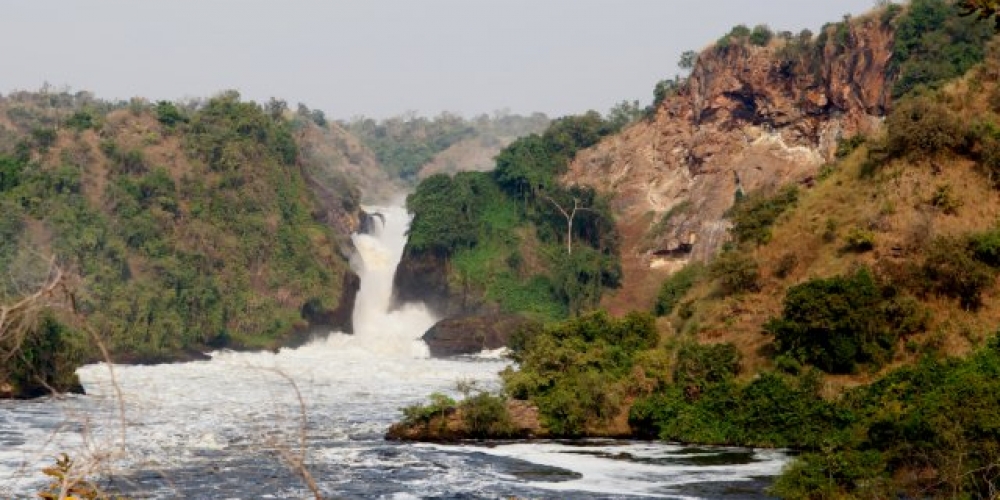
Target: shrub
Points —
{"points": [[934, 44], [847, 146], [786, 264], [837, 323], [81, 120], [438, 406], [920, 127], [985, 247], [735, 272], [860, 240], [944, 198], [576, 371], [761, 35], [676, 286], [702, 365], [950, 269], [168, 114], [754, 215], [486, 415]]}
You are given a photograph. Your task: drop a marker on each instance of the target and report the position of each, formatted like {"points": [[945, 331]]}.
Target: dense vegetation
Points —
{"points": [[853, 321], [189, 227], [406, 144], [512, 237], [579, 372]]}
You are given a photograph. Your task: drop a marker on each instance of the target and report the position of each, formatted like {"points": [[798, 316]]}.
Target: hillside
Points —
{"points": [[411, 148], [813, 219], [187, 228]]}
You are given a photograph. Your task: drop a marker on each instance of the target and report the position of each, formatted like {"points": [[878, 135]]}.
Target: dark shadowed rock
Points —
{"points": [[422, 277], [472, 334]]}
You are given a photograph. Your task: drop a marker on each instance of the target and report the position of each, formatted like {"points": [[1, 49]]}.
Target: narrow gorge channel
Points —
{"points": [[219, 428]]}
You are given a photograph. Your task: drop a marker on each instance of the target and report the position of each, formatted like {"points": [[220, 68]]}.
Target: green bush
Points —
{"points": [[761, 35], [950, 269], [754, 215], [837, 323], [860, 240], [921, 127], [772, 410], [439, 405], [985, 247], [676, 286], [576, 372], [934, 44], [703, 365], [735, 272], [848, 145], [486, 415]]}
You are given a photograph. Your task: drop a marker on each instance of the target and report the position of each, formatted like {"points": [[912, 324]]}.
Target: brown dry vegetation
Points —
{"points": [[895, 203]]}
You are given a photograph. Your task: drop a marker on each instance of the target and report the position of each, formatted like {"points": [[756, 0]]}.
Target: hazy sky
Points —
{"points": [[378, 57]]}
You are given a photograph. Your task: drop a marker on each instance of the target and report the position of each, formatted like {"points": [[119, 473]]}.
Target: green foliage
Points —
{"points": [[81, 120], [676, 286], [928, 430], [921, 127], [625, 113], [700, 365], [945, 199], [985, 247], [438, 406], [45, 359], [44, 138], [576, 371], [951, 268], [168, 114], [661, 91], [10, 172], [688, 59], [754, 215], [847, 146], [227, 254], [736, 272], [772, 410], [446, 212], [761, 35], [485, 414], [484, 223], [934, 44], [837, 323], [860, 240], [737, 35], [404, 144]]}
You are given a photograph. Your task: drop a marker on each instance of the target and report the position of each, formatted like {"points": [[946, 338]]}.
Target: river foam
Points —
{"points": [[221, 428]]}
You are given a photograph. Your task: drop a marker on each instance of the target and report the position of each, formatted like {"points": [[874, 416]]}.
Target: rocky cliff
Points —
{"points": [[748, 118]]}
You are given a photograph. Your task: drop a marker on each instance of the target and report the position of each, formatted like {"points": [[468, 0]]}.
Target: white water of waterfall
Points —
{"points": [[219, 428]]}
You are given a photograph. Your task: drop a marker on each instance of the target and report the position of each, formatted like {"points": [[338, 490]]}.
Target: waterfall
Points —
{"points": [[378, 329], [219, 428]]}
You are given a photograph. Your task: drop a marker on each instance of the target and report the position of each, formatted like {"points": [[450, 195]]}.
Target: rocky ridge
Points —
{"points": [[748, 118]]}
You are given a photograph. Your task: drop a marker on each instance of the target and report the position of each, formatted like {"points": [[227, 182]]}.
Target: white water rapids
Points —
{"points": [[220, 428]]}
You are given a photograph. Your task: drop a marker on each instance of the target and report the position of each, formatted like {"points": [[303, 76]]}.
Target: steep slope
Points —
{"points": [[188, 228], [748, 118]]}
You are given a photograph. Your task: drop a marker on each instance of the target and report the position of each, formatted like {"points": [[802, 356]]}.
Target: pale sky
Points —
{"points": [[378, 57]]}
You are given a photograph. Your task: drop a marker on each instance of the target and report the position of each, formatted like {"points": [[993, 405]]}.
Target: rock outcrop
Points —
{"points": [[451, 427], [423, 277], [747, 118], [472, 334]]}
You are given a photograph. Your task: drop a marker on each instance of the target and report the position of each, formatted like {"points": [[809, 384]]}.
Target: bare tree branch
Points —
{"points": [[569, 215]]}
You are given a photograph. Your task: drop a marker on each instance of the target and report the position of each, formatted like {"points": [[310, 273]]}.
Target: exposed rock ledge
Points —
{"points": [[472, 334]]}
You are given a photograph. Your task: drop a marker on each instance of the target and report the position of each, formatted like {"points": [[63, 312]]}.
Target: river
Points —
{"points": [[227, 427]]}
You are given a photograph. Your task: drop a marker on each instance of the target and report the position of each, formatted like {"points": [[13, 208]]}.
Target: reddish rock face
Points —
{"points": [[748, 118]]}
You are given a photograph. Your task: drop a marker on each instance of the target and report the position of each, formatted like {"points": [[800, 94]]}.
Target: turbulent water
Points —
{"points": [[233, 427]]}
